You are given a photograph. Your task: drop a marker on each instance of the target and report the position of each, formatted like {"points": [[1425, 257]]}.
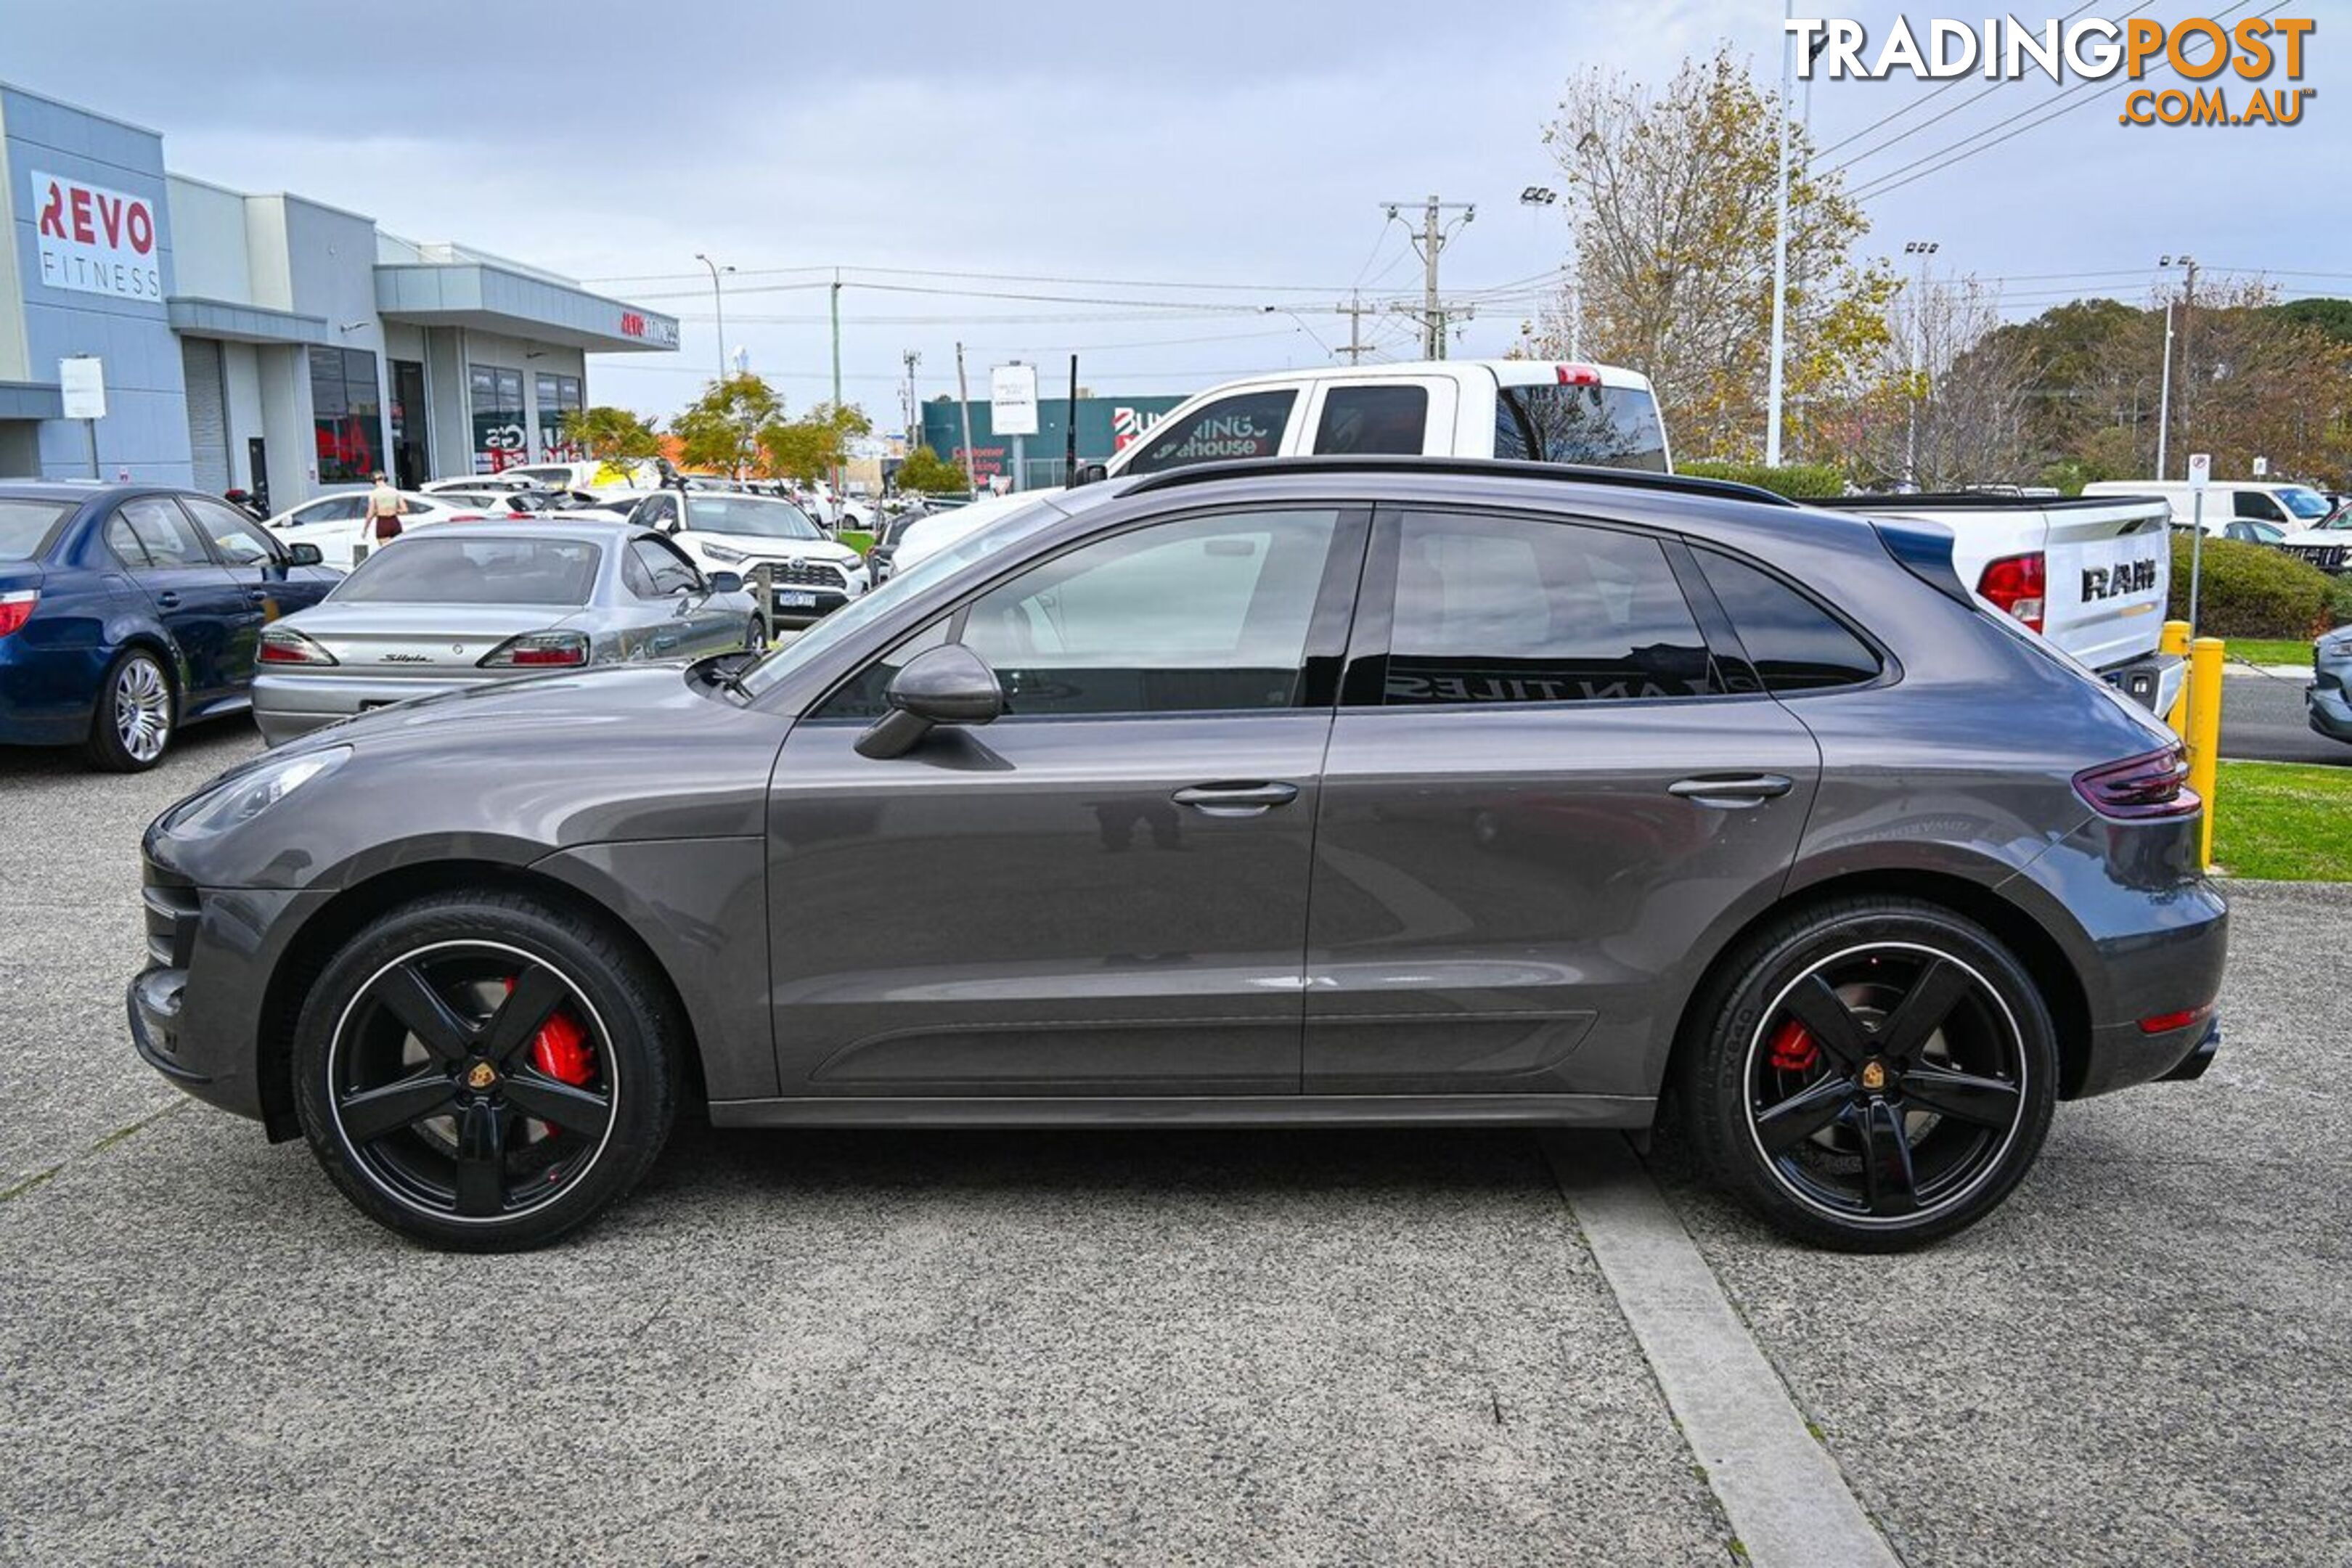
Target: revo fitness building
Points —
{"points": [[266, 343]]}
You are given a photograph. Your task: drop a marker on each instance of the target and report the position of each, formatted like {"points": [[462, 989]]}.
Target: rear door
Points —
{"points": [[1544, 787], [202, 608]]}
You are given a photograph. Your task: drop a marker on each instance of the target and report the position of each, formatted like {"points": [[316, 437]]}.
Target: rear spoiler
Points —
{"points": [[1924, 550]]}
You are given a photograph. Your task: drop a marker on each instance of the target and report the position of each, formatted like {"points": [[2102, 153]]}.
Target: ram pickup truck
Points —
{"points": [[2091, 575]]}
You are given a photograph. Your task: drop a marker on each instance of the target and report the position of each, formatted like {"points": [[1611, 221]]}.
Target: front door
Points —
{"points": [[1541, 789], [202, 608], [1103, 892], [274, 586]]}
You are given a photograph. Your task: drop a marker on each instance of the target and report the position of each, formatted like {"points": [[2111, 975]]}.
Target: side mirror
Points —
{"points": [[951, 685], [725, 582], [1091, 474], [304, 555]]}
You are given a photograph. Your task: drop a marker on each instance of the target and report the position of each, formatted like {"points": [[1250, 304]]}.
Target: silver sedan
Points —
{"points": [[442, 608]]}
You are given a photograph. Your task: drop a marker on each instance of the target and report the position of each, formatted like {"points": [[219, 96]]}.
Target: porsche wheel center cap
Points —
{"points": [[481, 1075], [1874, 1075]]}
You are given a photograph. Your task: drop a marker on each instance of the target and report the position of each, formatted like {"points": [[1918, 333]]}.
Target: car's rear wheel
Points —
{"points": [[486, 1072], [135, 716], [1872, 1074]]}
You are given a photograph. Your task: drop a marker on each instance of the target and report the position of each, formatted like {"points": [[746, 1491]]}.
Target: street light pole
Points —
{"points": [[1922, 248], [718, 310]]}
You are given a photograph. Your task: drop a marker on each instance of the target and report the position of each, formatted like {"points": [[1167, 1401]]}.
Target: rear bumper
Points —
{"points": [[289, 706], [2153, 682], [48, 694]]}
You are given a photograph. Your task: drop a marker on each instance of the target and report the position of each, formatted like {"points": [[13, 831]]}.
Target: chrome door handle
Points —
{"points": [[1235, 799], [168, 599], [1727, 791]]}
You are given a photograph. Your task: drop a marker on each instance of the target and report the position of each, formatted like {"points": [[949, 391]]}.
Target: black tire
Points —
{"points": [[1810, 1091], [755, 635], [120, 742], [474, 1169]]}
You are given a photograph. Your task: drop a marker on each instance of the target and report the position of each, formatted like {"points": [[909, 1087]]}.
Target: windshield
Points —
{"points": [[25, 524], [706, 513], [984, 541], [2303, 502], [474, 571]]}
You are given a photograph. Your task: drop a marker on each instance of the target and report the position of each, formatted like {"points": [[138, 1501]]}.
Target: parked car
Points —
{"points": [[129, 611], [727, 532], [503, 503], [2328, 700], [2290, 507], [506, 481], [446, 609], [1359, 792], [335, 525]]}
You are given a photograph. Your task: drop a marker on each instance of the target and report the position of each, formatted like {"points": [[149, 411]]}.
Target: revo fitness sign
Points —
{"points": [[95, 240]]}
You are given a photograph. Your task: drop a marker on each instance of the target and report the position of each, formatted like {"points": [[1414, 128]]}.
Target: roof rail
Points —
{"points": [[1500, 467]]}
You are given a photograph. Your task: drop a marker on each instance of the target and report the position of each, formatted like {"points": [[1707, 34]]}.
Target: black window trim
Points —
{"points": [[1364, 685], [1329, 626]]}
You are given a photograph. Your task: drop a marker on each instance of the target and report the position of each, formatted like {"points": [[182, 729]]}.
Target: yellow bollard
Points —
{"points": [[2175, 642], [2205, 733]]}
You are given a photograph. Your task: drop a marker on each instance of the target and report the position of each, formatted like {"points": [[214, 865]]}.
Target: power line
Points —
{"points": [[1921, 102]]}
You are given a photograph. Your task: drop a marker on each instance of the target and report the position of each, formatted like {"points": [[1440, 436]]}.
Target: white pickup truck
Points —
{"points": [[2091, 574]]}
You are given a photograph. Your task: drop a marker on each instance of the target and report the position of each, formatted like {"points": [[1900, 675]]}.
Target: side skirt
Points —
{"points": [[1193, 1110]]}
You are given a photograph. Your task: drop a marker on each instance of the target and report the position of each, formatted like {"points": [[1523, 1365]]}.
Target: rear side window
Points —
{"points": [[1373, 419], [25, 527], [1501, 609], [1795, 645], [1609, 426], [1247, 425]]}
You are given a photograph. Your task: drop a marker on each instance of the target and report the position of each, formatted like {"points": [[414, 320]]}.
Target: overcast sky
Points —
{"points": [[1166, 149]]}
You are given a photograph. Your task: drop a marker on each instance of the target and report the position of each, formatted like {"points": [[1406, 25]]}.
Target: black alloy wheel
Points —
{"points": [[485, 1073], [1883, 1074]]}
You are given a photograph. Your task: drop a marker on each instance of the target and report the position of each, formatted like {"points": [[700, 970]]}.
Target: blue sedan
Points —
{"points": [[126, 611]]}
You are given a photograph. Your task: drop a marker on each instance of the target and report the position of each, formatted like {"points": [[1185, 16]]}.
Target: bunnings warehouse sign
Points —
{"points": [[1106, 425]]}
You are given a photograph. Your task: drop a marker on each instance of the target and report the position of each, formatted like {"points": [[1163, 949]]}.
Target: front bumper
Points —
{"points": [[194, 1010], [2328, 708]]}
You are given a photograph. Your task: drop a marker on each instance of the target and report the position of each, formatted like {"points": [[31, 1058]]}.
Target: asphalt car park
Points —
{"points": [[986, 1347], [2263, 720]]}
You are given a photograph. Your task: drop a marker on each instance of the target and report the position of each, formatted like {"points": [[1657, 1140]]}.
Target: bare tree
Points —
{"points": [[1945, 404]]}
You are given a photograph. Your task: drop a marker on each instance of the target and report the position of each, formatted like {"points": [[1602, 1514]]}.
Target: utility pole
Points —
{"points": [[718, 309], [914, 406], [1776, 386], [1431, 242], [1355, 310], [836, 337], [2164, 400], [1922, 248], [963, 397]]}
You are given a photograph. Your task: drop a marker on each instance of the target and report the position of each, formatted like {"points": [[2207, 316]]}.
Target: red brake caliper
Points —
{"points": [[1794, 1049], [561, 1048]]}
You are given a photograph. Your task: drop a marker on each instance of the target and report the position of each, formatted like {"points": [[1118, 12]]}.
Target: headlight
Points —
{"points": [[238, 801], [2336, 645], [720, 552]]}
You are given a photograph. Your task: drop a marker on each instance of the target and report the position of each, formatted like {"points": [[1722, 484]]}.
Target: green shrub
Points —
{"points": [[2253, 591], [1798, 481]]}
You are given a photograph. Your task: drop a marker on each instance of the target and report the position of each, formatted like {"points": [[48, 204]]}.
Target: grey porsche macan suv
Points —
{"points": [[1372, 792]]}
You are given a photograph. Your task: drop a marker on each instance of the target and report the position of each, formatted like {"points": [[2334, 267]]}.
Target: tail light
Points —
{"points": [[283, 644], [2018, 586], [466, 517], [1577, 374], [538, 650], [16, 608], [2136, 788]]}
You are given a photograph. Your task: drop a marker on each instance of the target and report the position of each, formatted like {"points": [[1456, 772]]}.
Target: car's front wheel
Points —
{"points": [[1870, 1074], [485, 1071]]}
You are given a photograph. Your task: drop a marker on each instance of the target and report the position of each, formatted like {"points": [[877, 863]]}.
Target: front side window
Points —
{"points": [[1373, 419], [1609, 426], [2254, 504], [1795, 645], [157, 535], [1246, 425], [235, 536], [665, 568], [1500, 609]]}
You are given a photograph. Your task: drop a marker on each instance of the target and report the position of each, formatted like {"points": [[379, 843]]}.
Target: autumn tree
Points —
{"points": [[1671, 196], [816, 444], [1943, 405], [925, 472], [728, 426], [614, 436]]}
